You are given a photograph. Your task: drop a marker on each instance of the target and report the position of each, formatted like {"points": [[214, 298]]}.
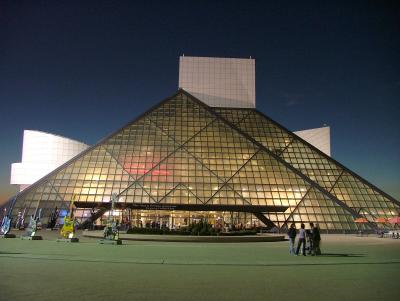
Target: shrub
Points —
{"points": [[155, 231], [239, 233], [201, 228]]}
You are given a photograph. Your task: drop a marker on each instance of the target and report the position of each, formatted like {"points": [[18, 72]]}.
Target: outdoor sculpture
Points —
{"points": [[32, 227], [31, 230], [111, 232], [67, 231], [5, 227]]}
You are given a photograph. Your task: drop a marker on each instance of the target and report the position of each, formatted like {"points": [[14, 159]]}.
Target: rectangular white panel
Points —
{"points": [[219, 82]]}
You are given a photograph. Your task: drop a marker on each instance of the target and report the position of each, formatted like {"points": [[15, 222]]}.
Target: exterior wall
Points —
{"points": [[41, 154], [219, 82], [318, 137]]}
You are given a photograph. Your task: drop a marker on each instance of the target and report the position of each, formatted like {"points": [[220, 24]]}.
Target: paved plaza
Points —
{"points": [[352, 268]]}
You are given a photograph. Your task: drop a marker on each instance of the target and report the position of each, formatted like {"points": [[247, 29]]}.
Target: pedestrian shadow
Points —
{"points": [[341, 255]]}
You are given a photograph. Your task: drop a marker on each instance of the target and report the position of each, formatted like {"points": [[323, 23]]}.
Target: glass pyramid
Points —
{"points": [[183, 155]]}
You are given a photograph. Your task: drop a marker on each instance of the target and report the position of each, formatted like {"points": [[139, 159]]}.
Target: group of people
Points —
{"points": [[309, 240]]}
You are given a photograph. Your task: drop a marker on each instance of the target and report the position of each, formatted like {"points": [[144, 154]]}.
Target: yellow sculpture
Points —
{"points": [[68, 229]]}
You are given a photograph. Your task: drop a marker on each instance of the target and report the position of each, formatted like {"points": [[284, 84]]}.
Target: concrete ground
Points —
{"points": [[351, 268]]}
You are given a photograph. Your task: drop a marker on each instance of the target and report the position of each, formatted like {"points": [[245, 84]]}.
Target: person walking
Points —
{"points": [[316, 240], [292, 236], [302, 240]]}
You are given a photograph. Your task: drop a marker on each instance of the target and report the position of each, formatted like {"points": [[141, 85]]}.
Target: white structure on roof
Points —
{"points": [[219, 82], [319, 137], [41, 154]]}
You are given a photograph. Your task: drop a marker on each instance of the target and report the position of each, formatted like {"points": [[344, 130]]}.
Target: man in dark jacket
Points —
{"points": [[292, 236], [316, 237], [310, 239]]}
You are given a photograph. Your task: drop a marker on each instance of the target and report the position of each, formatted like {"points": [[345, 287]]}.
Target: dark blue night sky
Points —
{"points": [[82, 69]]}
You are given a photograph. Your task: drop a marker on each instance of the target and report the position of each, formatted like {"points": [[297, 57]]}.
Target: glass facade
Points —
{"points": [[352, 191], [183, 159]]}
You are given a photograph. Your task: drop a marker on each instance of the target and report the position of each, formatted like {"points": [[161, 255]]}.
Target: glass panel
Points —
{"points": [[222, 150]]}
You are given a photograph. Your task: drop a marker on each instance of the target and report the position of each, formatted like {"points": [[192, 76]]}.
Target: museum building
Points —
{"points": [[206, 152]]}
